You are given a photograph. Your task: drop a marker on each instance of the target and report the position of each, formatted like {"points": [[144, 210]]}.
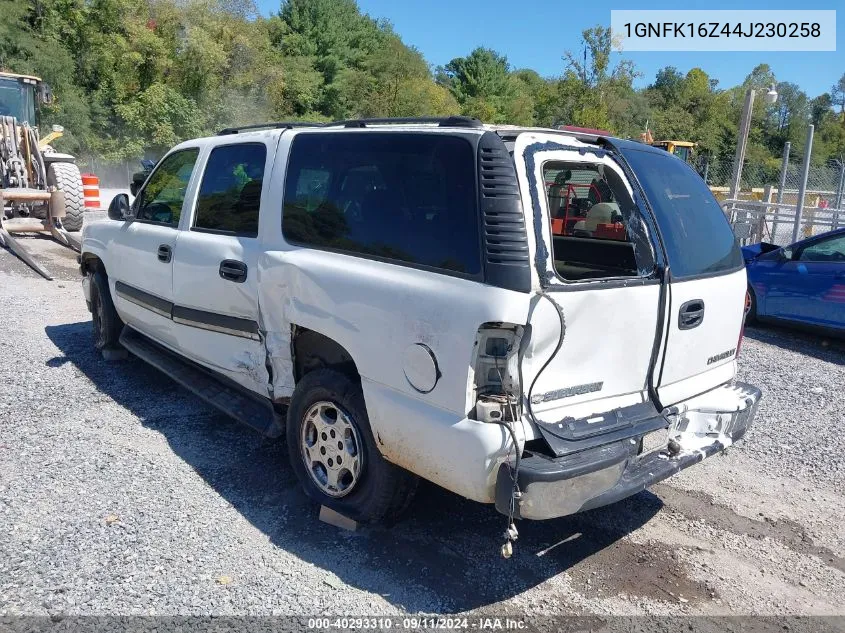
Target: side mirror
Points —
{"points": [[45, 94], [786, 254], [119, 208]]}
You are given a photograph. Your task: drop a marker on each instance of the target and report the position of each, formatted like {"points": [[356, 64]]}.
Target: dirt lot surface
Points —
{"points": [[122, 493]]}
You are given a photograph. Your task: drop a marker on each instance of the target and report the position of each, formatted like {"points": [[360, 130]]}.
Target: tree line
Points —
{"points": [[134, 77]]}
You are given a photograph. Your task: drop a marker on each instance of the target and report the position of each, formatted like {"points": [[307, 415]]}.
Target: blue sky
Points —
{"points": [[535, 34]]}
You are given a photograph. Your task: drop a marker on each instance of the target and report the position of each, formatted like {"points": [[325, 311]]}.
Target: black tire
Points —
{"points": [[751, 314], [382, 491], [66, 177], [106, 324]]}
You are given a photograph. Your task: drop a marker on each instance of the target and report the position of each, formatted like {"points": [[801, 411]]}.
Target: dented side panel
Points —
{"points": [[197, 285], [376, 311]]}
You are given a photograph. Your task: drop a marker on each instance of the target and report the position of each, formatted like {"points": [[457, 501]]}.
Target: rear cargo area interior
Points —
{"points": [[588, 230]]}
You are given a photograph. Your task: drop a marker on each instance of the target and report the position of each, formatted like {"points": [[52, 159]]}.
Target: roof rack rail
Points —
{"points": [[262, 126], [450, 121]]}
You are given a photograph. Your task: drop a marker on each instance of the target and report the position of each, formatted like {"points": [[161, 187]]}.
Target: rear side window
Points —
{"points": [[230, 193], [696, 233], [404, 197]]}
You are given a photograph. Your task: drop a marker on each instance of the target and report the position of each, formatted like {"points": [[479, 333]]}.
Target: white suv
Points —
{"points": [[538, 319]]}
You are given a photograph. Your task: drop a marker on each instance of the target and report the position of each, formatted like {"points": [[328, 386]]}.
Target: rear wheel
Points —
{"points": [[334, 455], [66, 177]]}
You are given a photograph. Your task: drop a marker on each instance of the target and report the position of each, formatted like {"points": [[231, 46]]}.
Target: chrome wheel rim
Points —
{"points": [[331, 449]]}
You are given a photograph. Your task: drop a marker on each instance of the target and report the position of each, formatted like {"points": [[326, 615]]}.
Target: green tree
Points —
{"points": [[837, 94]]}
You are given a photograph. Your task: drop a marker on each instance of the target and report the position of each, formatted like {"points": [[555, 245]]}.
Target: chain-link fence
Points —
{"points": [[759, 221], [116, 175], [718, 174], [761, 212]]}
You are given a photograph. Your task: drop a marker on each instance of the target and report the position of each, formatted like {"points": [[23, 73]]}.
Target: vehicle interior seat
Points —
{"points": [[558, 192], [601, 213]]}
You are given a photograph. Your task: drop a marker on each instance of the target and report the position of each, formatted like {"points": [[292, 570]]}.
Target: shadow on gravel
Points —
{"points": [[818, 346], [442, 557]]}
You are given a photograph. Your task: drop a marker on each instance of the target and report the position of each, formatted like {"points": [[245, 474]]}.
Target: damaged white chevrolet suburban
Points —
{"points": [[513, 314]]}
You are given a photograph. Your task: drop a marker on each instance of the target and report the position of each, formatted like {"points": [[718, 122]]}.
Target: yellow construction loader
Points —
{"points": [[40, 189], [681, 149]]}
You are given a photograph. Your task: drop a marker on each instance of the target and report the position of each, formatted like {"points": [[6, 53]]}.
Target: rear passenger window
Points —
{"points": [[230, 193], [589, 235], [404, 197]]}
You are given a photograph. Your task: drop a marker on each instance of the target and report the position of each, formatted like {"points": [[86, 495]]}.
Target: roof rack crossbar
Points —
{"points": [[287, 125], [450, 121]]}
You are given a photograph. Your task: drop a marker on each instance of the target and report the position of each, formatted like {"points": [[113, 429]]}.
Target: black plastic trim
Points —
{"points": [[233, 270], [603, 283], [571, 435], [284, 125], [662, 266], [250, 235], [216, 389], [216, 322], [504, 236], [144, 299], [451, 121], [212, 321], [708, 275], [690, 315]]}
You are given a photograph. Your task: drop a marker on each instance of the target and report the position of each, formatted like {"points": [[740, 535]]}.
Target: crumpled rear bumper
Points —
{"points": [[696, 429]]}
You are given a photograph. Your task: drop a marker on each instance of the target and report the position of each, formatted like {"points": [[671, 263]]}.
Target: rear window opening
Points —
{"points": [[588, 221]]}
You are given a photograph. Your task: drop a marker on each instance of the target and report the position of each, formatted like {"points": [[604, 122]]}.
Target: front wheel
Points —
{"points": [[334, 455], [106, 324]]}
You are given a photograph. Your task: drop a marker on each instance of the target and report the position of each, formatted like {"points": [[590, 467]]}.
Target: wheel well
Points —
{"points": [[92, 263], [312, 350]]}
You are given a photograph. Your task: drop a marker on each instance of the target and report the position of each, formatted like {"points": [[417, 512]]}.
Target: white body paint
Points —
{"points": [[378, 311]]}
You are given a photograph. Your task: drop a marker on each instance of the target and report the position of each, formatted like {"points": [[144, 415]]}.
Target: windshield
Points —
{"points": [[17, 99], [698, 238]]}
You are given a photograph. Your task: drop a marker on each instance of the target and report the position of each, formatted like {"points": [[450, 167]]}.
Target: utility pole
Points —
{"points": [[781, 186], [840, 191], [742, 141], [802, 189]]}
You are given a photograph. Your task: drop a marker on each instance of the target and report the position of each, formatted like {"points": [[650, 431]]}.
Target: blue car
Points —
{"points": [[800, 284]]}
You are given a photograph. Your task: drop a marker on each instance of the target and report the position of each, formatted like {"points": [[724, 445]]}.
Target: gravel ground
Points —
{"points": [[122, 493]]}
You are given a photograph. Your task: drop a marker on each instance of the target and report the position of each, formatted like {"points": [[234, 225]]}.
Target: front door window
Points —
{"points": [[161, 200]]}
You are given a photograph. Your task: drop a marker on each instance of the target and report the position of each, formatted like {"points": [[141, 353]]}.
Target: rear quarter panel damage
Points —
{"points": [[376, 311]]}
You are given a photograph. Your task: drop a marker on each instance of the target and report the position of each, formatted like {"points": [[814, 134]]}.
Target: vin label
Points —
{"points": [[728, 30]]}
